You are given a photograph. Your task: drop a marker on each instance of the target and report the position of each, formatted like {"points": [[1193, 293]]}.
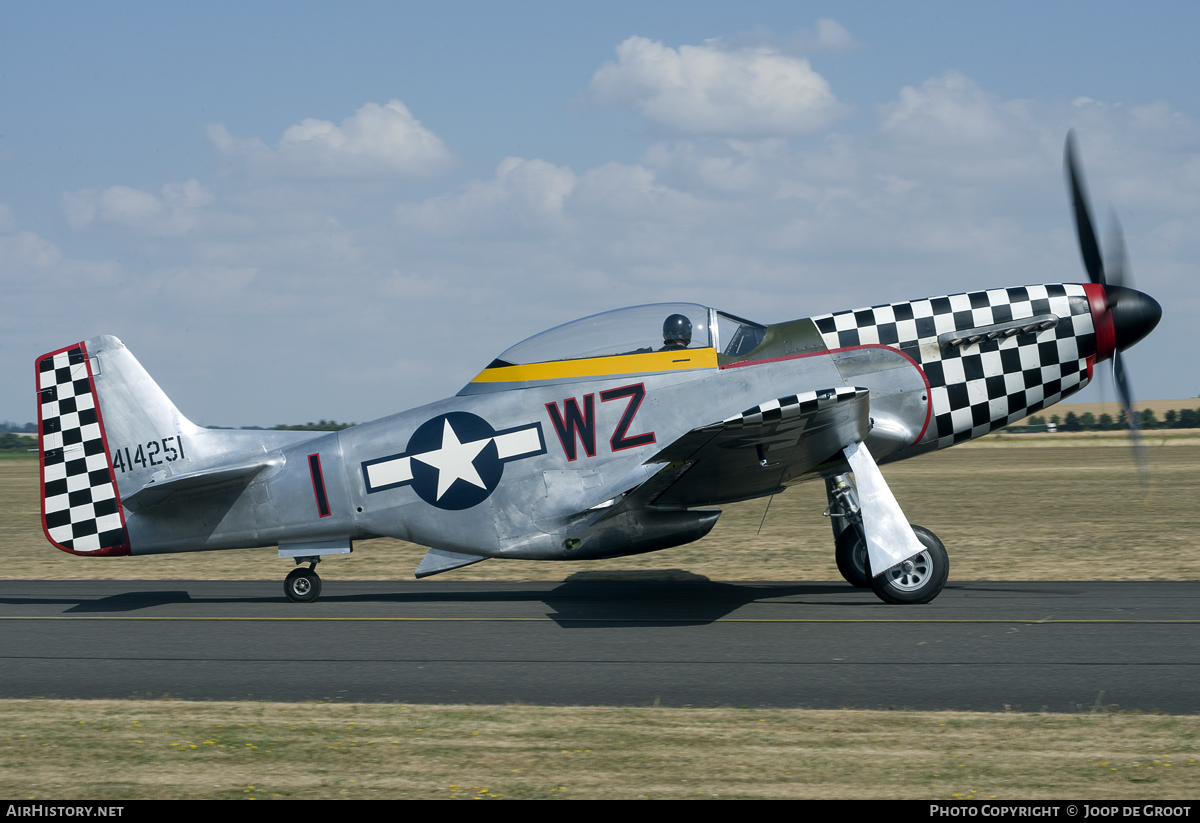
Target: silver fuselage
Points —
{"points": [[563, 447]]}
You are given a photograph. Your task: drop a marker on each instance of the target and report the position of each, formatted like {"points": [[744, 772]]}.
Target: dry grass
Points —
{"points": [[163, 749], [1028, 509]]}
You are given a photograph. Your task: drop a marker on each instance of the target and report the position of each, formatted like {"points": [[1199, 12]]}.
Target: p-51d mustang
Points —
{"points": [[598, 438]]}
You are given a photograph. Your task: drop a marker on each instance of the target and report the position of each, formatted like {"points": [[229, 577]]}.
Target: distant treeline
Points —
{"points": [[1146, 419], [319, 426], [10, 442], [9, 426]]}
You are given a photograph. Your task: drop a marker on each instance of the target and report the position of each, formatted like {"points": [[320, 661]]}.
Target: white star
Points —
{"points": [[454, 460]]}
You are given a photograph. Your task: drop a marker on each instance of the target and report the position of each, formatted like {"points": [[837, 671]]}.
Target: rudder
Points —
{"points": [[81, 509]]}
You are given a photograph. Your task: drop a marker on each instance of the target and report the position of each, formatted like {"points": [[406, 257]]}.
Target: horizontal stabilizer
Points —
{"points": [[437, 561], [890, 539], [156, 491]]}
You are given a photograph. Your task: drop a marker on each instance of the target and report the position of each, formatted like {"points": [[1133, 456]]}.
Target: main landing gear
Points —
{"points": [[917, 580], [303, 585]]}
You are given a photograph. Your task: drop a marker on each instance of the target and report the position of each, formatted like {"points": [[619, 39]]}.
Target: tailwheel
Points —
{"points": [[919, 579], [302, 585]]}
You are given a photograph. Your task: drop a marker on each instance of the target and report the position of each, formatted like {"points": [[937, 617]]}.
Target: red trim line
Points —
{"points": [[1102, 322], [916, 365]]}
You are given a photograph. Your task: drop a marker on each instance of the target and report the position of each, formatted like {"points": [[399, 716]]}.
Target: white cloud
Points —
{"points": [[718, 166], [832, 35], [708, 90], [829, 35], [951, 128], [187, 195], [31, 263], [23, 252], [523, 196], [203, 284], [48, 294], [631, 194], [79, 207], [951, 110], [375, 141], [129, 207], [953, 189], [174, 213]]}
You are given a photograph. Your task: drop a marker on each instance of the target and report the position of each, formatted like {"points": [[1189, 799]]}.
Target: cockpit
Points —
{"points": [[656, 327], [653, 338]]}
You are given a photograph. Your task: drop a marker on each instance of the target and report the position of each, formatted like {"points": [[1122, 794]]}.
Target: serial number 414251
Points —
{"points": [[154, 453]]}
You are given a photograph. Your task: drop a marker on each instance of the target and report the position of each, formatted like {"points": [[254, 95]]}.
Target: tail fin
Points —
{"points": [[105, 427], [81, 510], [136, 411]]}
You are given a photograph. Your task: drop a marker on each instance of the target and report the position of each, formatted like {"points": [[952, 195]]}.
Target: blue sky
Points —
{"points": [[231, 189]]}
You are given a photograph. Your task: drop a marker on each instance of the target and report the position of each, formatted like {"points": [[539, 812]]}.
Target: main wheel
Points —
{"points": [[302, 585], [919, 579], [851, 553]]}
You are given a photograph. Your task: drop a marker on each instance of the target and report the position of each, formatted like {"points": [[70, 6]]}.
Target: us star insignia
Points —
{"points": [[455, 460]]}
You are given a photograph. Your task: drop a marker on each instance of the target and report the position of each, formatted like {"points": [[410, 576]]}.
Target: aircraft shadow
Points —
{"points": [[631, 599], [595, 600], [583, 600]]}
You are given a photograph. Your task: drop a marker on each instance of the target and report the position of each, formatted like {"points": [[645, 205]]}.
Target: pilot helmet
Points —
{"points": [[677, 327]]}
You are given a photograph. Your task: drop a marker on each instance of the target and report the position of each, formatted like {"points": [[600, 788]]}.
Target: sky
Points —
{"points": [[295, 211]]}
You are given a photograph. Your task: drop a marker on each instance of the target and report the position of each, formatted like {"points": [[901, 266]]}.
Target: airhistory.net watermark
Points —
{"points": [[52, 810]]}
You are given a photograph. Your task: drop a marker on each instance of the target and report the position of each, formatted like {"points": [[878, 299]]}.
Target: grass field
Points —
{"points": [[1021, 508], [162, 749]]}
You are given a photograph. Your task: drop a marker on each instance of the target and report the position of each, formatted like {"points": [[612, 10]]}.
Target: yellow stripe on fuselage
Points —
{"points": [[657, 361]]}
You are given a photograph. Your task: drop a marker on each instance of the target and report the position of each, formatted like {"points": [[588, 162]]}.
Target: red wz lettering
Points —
{"points": [[575, 427]]}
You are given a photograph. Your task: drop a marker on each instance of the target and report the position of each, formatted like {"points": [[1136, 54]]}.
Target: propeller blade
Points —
{"points": [[1135, 435], [1133, 314], [1115, 255], [1088, 246]]}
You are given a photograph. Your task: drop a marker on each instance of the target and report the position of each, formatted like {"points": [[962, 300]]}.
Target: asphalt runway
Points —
{"points": [[980, 646]]}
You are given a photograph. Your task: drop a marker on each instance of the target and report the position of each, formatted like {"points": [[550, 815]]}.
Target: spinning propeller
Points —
{"points": [[1124, 315]]}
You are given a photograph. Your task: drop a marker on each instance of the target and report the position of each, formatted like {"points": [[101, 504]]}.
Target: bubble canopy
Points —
{"points": [[635, 330]]}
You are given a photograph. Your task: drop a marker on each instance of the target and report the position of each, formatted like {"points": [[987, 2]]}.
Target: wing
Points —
{"points": [[754, 453]]}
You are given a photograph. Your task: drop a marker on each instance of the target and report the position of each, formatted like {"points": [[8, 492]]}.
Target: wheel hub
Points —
{"points": [[913, 573]]}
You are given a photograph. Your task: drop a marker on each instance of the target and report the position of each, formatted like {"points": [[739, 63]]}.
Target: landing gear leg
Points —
{"points": [[303, 585], [850, 546], [917, 580]]}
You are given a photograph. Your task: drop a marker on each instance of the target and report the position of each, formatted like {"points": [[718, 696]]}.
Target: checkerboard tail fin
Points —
{"points": [[105, 428], [81, 507]]}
